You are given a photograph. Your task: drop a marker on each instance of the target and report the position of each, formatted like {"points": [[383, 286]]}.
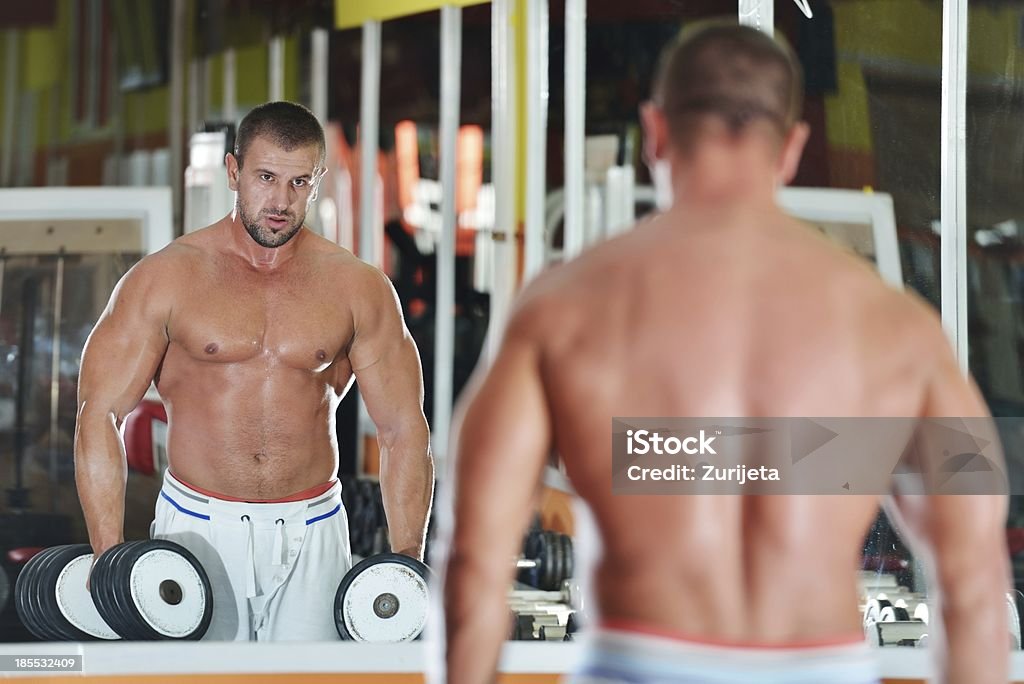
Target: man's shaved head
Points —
{"points": [[286, 124], [731, 72]]}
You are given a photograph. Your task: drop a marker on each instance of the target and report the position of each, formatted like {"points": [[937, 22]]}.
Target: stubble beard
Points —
{"points": [[262, 235]]}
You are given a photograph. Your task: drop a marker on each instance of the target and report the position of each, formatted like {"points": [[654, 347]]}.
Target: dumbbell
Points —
{"points": [[900, 633], [144, 590], [531, 627], [892, 624], [901, 601], [545, 615], [383, 598], [548, 560]]}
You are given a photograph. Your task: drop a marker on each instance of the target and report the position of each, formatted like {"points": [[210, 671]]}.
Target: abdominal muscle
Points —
{"points": [[248, 432]]}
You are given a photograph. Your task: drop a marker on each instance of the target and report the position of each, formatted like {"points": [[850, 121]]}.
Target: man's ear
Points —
{"points": [[233, 169], [792, 149], [655, 128]]}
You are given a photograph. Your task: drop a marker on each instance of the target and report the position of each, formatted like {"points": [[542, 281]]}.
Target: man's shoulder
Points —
{"points": [[336, 258], [165, 261], [904, 327]]}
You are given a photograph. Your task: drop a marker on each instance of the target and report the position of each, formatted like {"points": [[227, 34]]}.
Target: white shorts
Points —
{"points": [[274, 567], [616, 657]]}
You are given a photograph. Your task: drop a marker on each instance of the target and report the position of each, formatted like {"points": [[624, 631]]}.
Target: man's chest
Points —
{"points": [[284, 319]]}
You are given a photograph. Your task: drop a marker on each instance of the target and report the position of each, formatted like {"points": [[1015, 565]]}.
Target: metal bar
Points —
{"points": [[319, 58], [18, 495], [275, 69], [229, 98], [758, 13], [953, 152], [58, 300], [503, 170], [444, 327], [176, 125], [575, 126], [369, 131], [11, 73], [204, 93], [536, 134], [194, 90]]}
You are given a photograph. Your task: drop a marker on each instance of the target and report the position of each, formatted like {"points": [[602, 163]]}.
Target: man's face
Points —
{"points": [[275, 188]]}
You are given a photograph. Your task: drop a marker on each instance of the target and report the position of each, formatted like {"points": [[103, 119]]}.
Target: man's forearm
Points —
{"points": [[100, 475], [476, 622], [407, 486]]}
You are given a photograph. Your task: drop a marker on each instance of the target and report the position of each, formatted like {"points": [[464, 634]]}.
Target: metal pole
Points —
{"points": [[58, 300], [176, 134], [536, 134], [17, 496], [199, 71], [575, 126], [275, 69], [758, 13], [194, 94], [319, 57], [369, 132], [11, 72], [953, 247], [229, 102], [444, 327], [503, 170]]}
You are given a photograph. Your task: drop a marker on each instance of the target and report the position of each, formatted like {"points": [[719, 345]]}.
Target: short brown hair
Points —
{"points": [[286, 124], [732, 72]]}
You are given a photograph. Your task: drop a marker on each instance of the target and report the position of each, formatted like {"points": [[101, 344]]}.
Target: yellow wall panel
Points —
{"points": [[352, 13]]}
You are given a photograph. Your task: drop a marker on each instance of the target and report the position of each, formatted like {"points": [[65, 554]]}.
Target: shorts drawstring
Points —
{"points": [[279, 533], [250, 566]]}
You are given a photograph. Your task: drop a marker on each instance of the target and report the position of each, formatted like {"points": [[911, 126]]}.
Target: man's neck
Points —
{"points": [[733, 181], [256, 255]]}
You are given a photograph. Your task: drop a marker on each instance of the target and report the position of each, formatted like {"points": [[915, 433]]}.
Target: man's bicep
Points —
{"points": [[379, 326], [123, 351], [392, 386], [384, 357]]}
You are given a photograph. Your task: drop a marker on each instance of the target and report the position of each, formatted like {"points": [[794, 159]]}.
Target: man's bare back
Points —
{"points": [[754, 316], [720, 307], [256, 361], [695, 320]]}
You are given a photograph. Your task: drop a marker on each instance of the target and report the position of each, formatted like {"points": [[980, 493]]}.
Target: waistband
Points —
{"points": [[632, 627], [262, 515], [308, 493], [649, 658]]}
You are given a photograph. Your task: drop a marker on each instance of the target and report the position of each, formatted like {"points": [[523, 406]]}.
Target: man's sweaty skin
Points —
{"points": [[723, 306], [252, 347]]}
